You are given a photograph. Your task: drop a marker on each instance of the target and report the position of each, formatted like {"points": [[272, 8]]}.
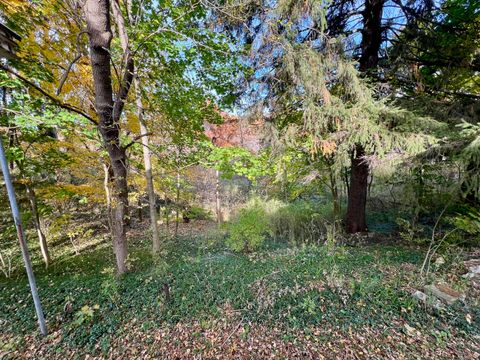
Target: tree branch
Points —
{"points": [[65, 75], [69, 68], [122, 94], [50, 97], [135, 139], [127, 77]]}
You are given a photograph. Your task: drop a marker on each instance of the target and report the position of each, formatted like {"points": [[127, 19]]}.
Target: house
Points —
{"points": [[8, 42]]}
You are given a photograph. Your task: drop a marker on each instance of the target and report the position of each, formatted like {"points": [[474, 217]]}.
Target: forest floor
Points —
{"points": [[198, 300]]}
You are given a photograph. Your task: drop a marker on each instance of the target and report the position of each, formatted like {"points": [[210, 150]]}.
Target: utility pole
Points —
{"points": [[8, 43], [21, 238]]}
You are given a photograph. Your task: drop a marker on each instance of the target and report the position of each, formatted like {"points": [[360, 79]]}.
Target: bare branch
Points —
{"points": [[135, 139], [65, 75], [69, 68]]}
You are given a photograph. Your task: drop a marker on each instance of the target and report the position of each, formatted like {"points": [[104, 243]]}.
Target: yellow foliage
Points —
{"points": [[132, 123], [11, 6], [93, 192]]}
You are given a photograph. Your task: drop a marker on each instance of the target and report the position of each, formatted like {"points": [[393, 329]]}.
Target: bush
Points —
{"points": [[468, 220], [197, 213], [249, 228], [412, 232]]}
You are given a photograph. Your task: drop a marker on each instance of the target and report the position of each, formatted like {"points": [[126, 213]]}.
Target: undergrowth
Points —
{"points": [[196, 279]]}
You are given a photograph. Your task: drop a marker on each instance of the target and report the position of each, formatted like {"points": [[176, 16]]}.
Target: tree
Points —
{"points": [[109, 111], [169, 46], [32, 148], [377, 28], [437, 63], [125, 44], [355, 220], [107, 108]]}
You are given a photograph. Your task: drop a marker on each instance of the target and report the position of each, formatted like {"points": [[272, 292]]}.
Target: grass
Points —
{"points": [[294, 290]]}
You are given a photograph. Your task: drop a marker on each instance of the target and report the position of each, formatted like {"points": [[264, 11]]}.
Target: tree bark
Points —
{"points": [[140, 209], [357, 196], [370, 45], [97, 14]]}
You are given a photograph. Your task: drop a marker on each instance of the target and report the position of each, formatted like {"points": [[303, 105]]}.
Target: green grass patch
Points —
{"points": [[348, 287]]}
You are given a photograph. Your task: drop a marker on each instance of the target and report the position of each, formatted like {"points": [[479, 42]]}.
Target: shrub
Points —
{"points": [[197, 213], [468, 220], [249, 228], [411, 232]]}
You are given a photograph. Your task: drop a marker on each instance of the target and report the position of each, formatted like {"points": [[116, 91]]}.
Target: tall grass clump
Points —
{"points": [[249, 228], [301, 222]]}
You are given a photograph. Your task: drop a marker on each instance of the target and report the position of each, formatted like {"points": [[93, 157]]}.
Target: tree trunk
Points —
{"points": [[147, 161], [11, 134], [108, 194], [357, 196], [38, 221], [218, 208], [167, 218], [469, 192], [177, 201], [371, 34], [42, 240], [140, 209], [11, 141], [334, 190], [370, 45], [97, 14]]}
